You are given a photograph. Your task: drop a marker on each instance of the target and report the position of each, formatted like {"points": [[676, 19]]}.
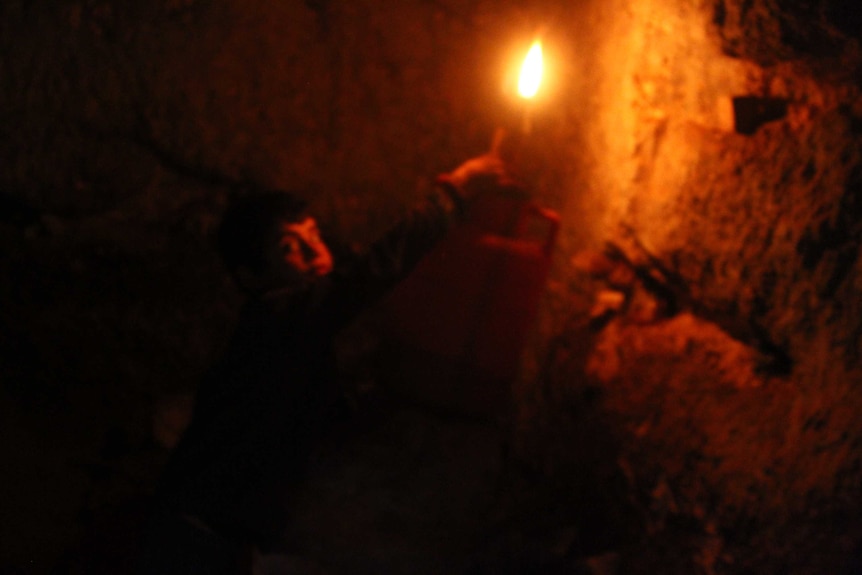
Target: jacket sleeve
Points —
{"points": [[390, 258]]}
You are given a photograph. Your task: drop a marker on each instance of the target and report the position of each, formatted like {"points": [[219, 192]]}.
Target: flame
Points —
{"points": [[531, 72]]}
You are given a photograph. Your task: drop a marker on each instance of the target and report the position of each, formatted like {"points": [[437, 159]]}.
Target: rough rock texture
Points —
{"points": [[736, 404], [690, 400]]}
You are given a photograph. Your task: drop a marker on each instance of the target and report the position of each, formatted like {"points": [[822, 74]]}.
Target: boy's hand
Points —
{"points": [[483, 174]]}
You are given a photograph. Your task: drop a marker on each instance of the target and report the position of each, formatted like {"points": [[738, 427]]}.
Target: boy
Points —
{"points": [[258, 412]]}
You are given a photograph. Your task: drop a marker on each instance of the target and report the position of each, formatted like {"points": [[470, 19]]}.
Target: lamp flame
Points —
{"points": [[531, 72]]}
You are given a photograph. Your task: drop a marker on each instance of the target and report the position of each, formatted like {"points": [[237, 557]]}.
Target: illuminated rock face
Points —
{"points": [[728, 160], [716, 144]]}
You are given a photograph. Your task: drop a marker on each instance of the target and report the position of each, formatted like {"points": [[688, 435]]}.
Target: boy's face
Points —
{"points": [[303, 249], [298, 254]]}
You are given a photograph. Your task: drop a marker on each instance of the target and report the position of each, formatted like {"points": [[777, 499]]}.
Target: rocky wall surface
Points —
{"points": [[725, 348]]}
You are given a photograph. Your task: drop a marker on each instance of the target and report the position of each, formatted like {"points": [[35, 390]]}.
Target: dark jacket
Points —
{"points": [[260, 408]]}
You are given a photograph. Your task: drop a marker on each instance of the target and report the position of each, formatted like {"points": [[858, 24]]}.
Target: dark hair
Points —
{"points": [[249, 223]]}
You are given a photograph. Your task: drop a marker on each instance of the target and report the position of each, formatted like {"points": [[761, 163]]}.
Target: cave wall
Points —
{"points": [[734, 383], [127, 124]]}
